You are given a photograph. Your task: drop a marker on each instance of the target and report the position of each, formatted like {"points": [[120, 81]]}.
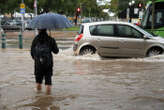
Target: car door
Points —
{"points": [[105, 39], [131, 41]]}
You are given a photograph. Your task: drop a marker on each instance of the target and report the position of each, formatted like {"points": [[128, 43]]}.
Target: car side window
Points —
{"points": [[102, 30], [81, 29], [136, 34], [128, 32]]}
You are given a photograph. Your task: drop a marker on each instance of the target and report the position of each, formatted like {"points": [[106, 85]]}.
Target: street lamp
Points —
{"points": [[35, 6], [131, 3]]}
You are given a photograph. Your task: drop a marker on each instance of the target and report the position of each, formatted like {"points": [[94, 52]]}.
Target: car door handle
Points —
{"points": [[122, 41]]}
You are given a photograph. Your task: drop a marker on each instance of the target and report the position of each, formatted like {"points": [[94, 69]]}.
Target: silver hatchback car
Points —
{"points": [[116, 39]]}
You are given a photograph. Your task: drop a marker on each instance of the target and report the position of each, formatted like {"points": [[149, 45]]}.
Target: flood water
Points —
{"points": [[82, 83]]}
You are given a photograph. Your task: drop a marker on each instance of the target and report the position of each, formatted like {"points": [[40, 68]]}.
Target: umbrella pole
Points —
{"points": [[49, 32]]}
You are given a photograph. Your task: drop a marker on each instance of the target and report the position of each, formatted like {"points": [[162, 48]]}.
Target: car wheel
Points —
{"points": [[154, 52], [87, 50]]}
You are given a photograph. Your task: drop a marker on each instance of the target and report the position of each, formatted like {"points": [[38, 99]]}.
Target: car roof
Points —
{"points": [[116, 22], [107, 22]]}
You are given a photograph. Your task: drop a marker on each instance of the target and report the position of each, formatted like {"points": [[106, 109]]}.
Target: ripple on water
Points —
{"points": [[146, 103], [44, 102], [68, 53]]}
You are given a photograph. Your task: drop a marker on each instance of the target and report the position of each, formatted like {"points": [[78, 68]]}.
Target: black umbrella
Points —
{"points": [[49, 21]]}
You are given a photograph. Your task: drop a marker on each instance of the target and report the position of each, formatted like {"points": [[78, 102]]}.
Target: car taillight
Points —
{"points": [[138, 24], [79, 37]]}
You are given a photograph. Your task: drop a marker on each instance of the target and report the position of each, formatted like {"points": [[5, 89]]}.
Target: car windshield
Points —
{"points": [[150, 34]]}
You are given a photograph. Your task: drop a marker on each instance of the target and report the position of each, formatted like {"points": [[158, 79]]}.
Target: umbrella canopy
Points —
{"points": [[49, 21]]}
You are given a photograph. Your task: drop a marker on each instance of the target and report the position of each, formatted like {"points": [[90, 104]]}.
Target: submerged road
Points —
{"points": [[82, 83]]}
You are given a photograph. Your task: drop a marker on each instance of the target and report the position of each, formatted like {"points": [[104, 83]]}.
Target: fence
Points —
{"points": [[11, 39]]}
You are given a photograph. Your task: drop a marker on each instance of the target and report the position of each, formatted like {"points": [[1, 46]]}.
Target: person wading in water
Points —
{"points": [[41, 52]]}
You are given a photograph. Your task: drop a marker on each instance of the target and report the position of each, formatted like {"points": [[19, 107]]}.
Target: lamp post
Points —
{"points": [[22, 8], [131, 3], [35, 6], [36, 12]]}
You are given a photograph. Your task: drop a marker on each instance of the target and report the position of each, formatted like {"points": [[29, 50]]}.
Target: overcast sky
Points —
{"points": [[102, 2]]}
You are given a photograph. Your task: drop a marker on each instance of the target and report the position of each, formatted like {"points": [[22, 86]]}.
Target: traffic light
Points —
{"points": [[77, 15], [77, 11], [140, 5]]}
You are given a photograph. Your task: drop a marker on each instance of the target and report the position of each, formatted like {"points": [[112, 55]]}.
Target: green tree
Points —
{"points": [[9, 6], [67, 7], [120, 5], [91, 8], [114, 5]]}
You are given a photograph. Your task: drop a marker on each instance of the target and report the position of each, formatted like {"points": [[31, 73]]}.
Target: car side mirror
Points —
{"points": [[145, 37]]}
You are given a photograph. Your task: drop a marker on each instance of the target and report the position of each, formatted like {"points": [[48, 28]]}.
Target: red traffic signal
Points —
{"points": [[78, 10], [140, 5]]}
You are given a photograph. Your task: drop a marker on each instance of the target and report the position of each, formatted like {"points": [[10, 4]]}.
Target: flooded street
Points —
{"points": [[82, 83]]}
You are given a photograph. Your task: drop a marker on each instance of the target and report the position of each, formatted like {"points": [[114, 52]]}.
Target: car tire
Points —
{"points": [[87, 50], [154, 52]]}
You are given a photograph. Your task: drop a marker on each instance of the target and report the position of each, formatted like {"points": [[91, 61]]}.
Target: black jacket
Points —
{"points": [[43, 37]]}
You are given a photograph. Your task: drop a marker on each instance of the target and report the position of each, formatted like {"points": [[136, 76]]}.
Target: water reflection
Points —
{"points": [[40, 103], [45, 102]]}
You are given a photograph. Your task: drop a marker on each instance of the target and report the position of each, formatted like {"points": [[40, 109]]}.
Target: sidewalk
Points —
{"points": [[31, 34], [63, 38]]}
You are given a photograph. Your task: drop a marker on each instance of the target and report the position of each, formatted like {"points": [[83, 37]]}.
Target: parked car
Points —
{"points": [[27, 22], [86, 20], [11, 25], [116, 39]]}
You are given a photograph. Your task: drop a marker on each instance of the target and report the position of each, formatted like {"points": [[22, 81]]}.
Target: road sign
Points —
{"points": [[22, 5], [22, 10]]}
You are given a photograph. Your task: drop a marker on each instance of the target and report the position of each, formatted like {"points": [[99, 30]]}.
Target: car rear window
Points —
{"points": [[81, 29]]}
